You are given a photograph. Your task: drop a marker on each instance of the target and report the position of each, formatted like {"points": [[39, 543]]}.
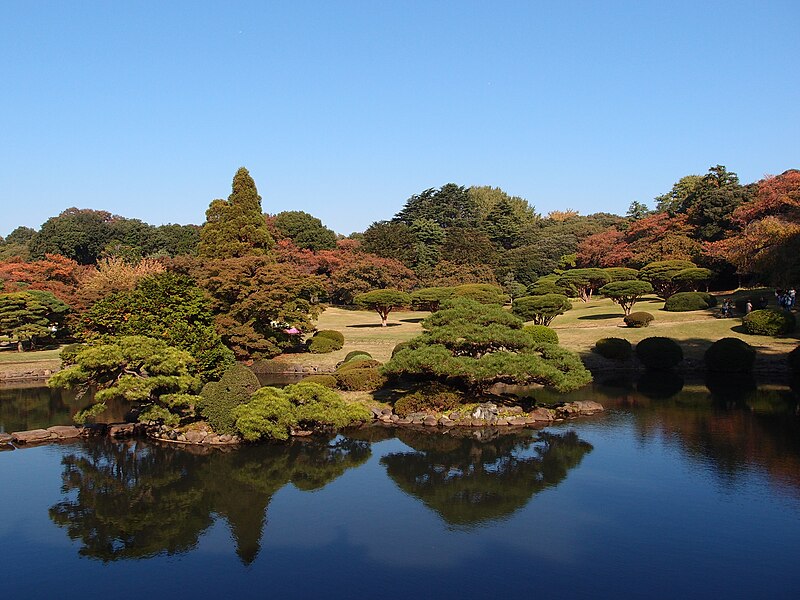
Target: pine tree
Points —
{"points": [[235, 227]]}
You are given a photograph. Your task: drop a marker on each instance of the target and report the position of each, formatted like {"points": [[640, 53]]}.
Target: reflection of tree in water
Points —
{"points": [[468, 481], [135, 500]]}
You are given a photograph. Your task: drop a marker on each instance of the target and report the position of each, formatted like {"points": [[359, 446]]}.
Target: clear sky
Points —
{"points": [[346, 108]]}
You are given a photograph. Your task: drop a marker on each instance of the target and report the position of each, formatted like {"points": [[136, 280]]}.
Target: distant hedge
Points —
{"points": [[659, 353], [730, 355], [686, 301]]}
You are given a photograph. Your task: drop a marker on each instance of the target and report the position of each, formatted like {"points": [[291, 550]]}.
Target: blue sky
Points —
{"points": [[344, 109]]}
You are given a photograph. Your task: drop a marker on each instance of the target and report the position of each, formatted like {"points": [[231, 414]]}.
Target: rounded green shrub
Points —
{"points": [[769, 322], [218, 399], [638, 319], [329, 381], [400, 346], [542, 334], [794, 360], [323, 345], [332, 334], [356, 353], [730, 355], [614, 348], [686, 301], [435, 398], [358, 363], [360, 379], [659, 353]]}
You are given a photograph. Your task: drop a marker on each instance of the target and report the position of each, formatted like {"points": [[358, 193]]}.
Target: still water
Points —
{"points": [[665, 495]]}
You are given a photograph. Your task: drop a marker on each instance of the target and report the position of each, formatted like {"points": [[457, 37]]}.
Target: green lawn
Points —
{"points": [[12, 361]]}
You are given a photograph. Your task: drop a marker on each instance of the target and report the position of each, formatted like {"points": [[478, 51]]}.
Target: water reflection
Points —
{"points": [[136, 500], [469, 481]]}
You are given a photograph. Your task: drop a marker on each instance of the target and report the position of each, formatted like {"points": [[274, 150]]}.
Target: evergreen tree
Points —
{"points": [[235, 227]]}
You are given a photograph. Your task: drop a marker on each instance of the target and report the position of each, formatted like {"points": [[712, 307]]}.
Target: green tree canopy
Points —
{"points": [[32, 316], [383, 302], [541, 309], [430, 298], [626, 293], [662, 275], [449, 206], [305, 230], [236, 227], [583, 281]]}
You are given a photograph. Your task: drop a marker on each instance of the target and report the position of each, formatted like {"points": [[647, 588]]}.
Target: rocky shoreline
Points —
{"points": [[485, 415]]}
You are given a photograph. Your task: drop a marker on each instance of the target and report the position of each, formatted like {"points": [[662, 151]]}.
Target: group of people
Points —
{"points": [[786, 298]]}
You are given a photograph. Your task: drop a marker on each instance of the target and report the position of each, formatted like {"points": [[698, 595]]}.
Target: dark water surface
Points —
{"points": [[694, 494]]}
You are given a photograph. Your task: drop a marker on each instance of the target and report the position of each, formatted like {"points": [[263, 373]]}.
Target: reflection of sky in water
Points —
{"points": [[649, 508]]}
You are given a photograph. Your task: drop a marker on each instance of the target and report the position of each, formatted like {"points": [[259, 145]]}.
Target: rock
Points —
{"points": [[417, 420], [385, 419], [301, 432], [211, 439], [430, 421], [485, 410], [386, 411], [588, 407], [5, 438], [34, 436], [65, 432], [513, 410], [445, 422], [121, 431], [478, 423], [376, 412], [455, 416], [193, 436], [181, 438], [418, 415], [404, 421], [225, 438], [542, 414], [395, 418], [516, 421], [502, 422]]}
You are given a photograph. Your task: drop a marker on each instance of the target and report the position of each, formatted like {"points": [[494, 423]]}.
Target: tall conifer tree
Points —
{"points": [[235, 227]]}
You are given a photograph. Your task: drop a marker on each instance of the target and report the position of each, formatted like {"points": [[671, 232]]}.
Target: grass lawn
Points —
{"points": [[12, 361], [577, 330]]}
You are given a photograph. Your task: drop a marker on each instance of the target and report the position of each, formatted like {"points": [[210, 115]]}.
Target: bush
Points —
{"points": [[332, 335], [218, 399], [686, 301], [541, 309], [638, 319], [355, 353], [730, 355], [659, 353], [362, 379], [358, 363], [323, 345], [329, 381], [542, 334], [400, 346], [794, 360], [614, 348], [434, 398], [769, 322]]}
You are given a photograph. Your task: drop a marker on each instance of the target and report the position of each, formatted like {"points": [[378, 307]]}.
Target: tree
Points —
{"points": [[449, 206], [365, 273], [502, 224], [621, 274], [168, 307], [304, 230], [32, 316], [481, 292], [468, 246], [626, 293], [541, 309], [383, 302], [136, 369], [430, 298], [79, 234], [675, 200], [662, 275], [55, 274], [583, 281], [235, 227], [391, 239], [486, 198], [472, 346], [449, 274], [115, 275], [257, 303], [637, 210], [605, 249]]}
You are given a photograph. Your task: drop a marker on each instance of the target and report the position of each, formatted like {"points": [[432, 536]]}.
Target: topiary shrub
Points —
{"points": [[730, 355], [323, 345], [769, 322], [361, 379], [329, 381], [686, 301], [355, 353], [638, 319], [542, 334], [358, 363], [659, 353], [331, 334], [218, 399], [399, 347], [794, 360], [614, 348], [434, 398]]}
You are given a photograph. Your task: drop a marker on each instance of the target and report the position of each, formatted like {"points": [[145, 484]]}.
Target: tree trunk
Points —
{"points": [[19, 345]]}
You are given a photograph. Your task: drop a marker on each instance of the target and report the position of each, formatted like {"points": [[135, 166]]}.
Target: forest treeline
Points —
{"points": [[249, 277]]}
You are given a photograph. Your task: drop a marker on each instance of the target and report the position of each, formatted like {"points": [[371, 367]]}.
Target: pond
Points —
{"points": [[665, 495]]}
